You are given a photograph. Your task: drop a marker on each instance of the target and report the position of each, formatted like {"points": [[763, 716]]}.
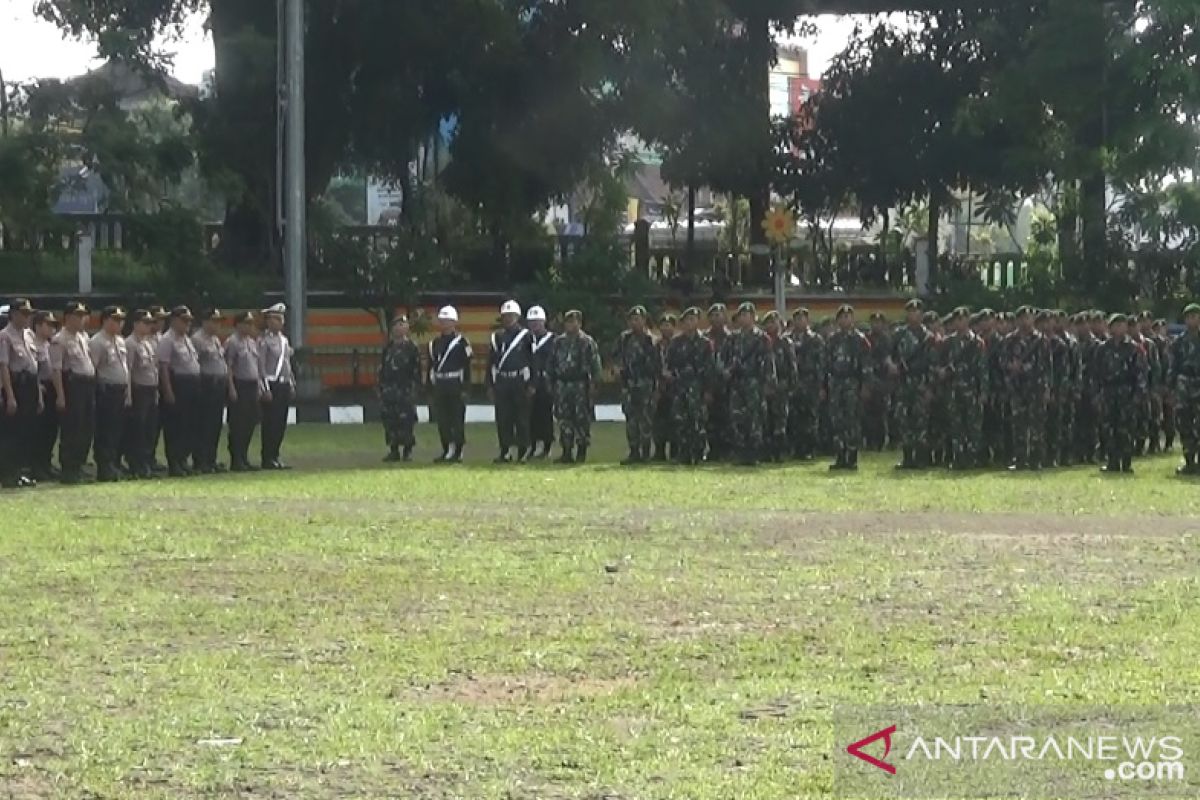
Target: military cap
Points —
{"points": [[668, 319], [1117, 317], [1191, 308], [717, 308], [158, 312], [691, 311], [747, 308], [1060, 314], [844, 309], [44, 316], [637, 311], [771, 316], [962, 311], [800, 312], [930, 317], [245, 316], [950, 318], [878, 316], [977, 318], [75, 307], [21, 305], [988, 312], [1025, 311], [1043, 315], [1096, 315], [574, 313], [277, 310], [1144, 315], [211, 314], [181, 312], [141, 315], [1160, 323], [112, 312], [914, 305]]}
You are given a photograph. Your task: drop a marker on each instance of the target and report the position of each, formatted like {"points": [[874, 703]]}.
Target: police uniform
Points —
{"points": [[75, 384], [275, 362], [214, 390], [242, 359], [141, 424], [46, 433], [179, 376], [510, 377], [541, 407], [110, 356], [450, 379], [18, 416]]}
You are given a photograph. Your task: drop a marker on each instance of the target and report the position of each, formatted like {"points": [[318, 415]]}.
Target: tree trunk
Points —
{"points": [[689, 253], [762, 51], [1094, 212], [1067, 222]]}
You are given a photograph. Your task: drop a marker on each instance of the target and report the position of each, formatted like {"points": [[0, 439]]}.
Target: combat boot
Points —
{"points": [[852, 463], [1188, 467], [523, 455], [840, 463], [1154, 448], [1127, 464], [503, 458], [1113, 466], [457, 456], [407, 456], [392, 456], [660, 454], [566, 457], [906, 461], [634, 457], [581, 454]]}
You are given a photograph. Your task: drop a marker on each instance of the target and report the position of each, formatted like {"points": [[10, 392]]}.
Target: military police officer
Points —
{"points": [[450, 380]]}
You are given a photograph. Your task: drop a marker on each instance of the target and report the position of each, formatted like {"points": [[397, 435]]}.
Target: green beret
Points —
{"points": [[690, 312], [1117, 317], [716, 308], [748, 308], [667, 319], [914, 305], [574, 313], [1024, 311], [771, 316], [637, 311], [844, 309], [1191, 308], [800, 312]]}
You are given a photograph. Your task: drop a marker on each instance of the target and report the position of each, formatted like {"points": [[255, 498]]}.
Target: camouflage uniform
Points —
{"points": [[967, 368], [1060, 391], [1087, 414], [912, 353], [1029, 355], [573, 368], [640, 367], [663, 432], [876, 408], [689, 365], [1166, 398], [939, 400], [804, 407], [1145, 426], [750, 375], [996, 409], [1121, 371], [718, 426], [1069, 391], [776, 429], [850, 362], [1184, 381], [399, 380]]}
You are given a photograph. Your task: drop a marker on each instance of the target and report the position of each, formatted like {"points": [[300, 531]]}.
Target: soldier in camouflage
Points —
{"points": [[1158, 379], [850, 364], [399, 381], [809, 391], [749, 372], [688, 374], [1121, 373], [1026, 359], [574, 369], [877, 407], [1069, 389], [639, 369], [1145, 423], [1184, 382], [967, 373], [775, 429], [1059, 386], [1163, 341], [938, 439], [718, 425], [663, 432], [912, 353]]}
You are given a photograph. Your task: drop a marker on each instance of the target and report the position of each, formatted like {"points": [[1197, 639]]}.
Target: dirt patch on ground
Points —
{"points": [[496, 690]]}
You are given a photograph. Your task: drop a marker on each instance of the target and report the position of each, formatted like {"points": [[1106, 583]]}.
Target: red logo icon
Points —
{"points": [[885, 734]]}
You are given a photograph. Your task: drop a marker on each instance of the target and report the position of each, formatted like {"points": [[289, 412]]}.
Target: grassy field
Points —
{"points": [[355, 629]]}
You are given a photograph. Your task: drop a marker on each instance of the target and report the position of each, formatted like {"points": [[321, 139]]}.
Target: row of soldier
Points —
{"points": [[140, 377], [1026, 390]]}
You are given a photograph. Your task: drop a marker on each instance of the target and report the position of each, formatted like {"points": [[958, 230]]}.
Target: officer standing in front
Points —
{"points": [[113, 397], [245, 387], [74, 377], [214, 390], [22, 396], [541, 413], [141, 425], [399, 381], [450, 379], [510, 379], [275, 361], [573, 371], [639, 366], [179, 379]]}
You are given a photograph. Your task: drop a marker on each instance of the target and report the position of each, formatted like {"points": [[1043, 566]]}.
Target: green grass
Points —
{"points": [[540, 632]]}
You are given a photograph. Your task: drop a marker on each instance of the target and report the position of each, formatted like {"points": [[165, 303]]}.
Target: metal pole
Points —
{"points": [[294, 234], [781, 277]]}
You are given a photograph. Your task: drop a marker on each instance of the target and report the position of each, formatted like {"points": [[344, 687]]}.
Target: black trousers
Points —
{"points": [[541, 419], [46, 432], [17, 430], [110, 424], [450, 412], [77, 423], [274, 420], [141, 428], [243, 418], [512, 413], [180, 421], [214, 389]]}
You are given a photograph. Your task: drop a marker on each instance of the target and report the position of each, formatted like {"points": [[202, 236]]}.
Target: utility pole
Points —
{"points": [[295, 239]]}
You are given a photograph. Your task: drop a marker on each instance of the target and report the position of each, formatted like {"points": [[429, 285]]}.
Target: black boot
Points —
{"points": [[906, 462], [392, 456], [523, 454], [1127, 464], [660, 453], [581, 454], [1189, 465], [634, 457], [1113, 466], [503, 458], [408, 448], [567, 457], [840, 463], [852, 464]]}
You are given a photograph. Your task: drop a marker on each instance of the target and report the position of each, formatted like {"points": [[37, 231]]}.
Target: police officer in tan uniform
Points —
{"points": [[21, 397], [74, 377], [111, 359], [179, 383], [141, 425], [279, 385], [214, 389]]}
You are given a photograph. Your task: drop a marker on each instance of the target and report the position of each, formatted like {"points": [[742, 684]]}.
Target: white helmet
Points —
{"points": [[511, 307], [448, 313], [536, 314]]}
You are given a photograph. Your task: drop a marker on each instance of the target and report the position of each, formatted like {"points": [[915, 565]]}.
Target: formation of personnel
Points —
{"points": [[143, 377], [1027, 390], [1023, 391]]}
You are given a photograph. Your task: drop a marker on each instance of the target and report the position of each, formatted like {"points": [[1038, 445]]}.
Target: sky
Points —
{"points": [[32, 48]]}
